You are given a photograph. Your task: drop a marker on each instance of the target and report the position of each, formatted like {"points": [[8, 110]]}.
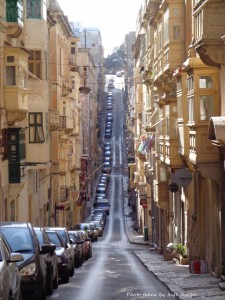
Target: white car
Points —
{"points": [[9, 272]]}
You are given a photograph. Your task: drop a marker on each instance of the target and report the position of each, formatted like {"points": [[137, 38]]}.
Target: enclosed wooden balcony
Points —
{"points": [[66, 124], [209, 29], [14, 18], [201, 148], [161, 194], [16, 103]]}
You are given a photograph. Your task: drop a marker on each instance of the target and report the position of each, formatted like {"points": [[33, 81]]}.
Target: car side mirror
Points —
{"points": [[47, 249]]}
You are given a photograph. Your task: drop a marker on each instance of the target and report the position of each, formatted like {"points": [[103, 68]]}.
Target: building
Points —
{"points": [[178, 173], [43, 116]]}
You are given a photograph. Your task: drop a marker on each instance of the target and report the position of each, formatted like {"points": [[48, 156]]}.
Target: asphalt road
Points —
{"points": [[114, 272]]}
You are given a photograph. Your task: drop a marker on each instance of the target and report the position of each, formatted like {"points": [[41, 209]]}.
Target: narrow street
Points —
{"points": [[114, 272]]}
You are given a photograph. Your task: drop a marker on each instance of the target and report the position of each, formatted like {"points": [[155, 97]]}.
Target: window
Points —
{"points": [[180, 107], [176, 32], [36, 132], [10, 79], [206, 107], [191, 109], [205, 82], [14, 11], [33, 9], [35, 63], [190, 84], [73, 50], [166, 33]]}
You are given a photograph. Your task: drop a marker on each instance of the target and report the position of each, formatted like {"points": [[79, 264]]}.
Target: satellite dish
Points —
{"points": [[183, 177]]}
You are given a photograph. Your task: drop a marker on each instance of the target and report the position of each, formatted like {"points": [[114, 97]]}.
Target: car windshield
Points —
{"points": [[40, 237], [63, 235], [19, 239], [73, 237], [54, 238], [85, 226], [102, 204]]}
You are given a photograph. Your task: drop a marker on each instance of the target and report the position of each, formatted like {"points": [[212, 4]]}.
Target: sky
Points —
{"points": [[114, 18]]}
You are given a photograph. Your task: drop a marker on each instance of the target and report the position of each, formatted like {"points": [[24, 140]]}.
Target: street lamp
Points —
{"points": [[84, 89]]}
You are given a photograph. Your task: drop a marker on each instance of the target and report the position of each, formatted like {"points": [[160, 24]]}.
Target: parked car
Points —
{"points": [[9, 273], [107, 134], [107, 147], [77, 244], [64, 233], [101, 189], [22, 238], [94, 228], [99, 214], [104, 203], [88, 228], [109, 107], [87, 243], [99, 226], [107, 167], [62, 255], [109, 118], [107, 153], [50, 260], [108, 159]]}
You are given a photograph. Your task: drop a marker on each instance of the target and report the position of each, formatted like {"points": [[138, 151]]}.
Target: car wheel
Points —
{"points": [[43, 295], [72, 270], [49, 284], [55, 282], [66, 277]]}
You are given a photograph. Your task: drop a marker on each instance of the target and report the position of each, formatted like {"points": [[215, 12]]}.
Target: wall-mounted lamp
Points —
{"points": [[84, 89]]}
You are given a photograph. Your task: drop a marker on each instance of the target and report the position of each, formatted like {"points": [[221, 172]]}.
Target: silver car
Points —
{"points": [[9, 272]]}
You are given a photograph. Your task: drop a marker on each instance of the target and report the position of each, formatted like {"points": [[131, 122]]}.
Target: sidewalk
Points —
{"points": [[178, 279]]}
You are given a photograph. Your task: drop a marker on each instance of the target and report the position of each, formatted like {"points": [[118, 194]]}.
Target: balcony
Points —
{"points": [[66, 124], [53, 118], [171, 150], [201, 148], [149, 9], [63, 166], [161, 194], [209, 29], [16, 103], [139, 108], [14, 18]]}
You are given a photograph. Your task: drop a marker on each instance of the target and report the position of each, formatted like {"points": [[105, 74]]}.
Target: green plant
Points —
{"points": [[181, 249]]}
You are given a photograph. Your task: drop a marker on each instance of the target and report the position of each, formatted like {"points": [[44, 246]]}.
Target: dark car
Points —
{"points": [[109, 118], [77, 244], [108, 134], [22, 238], [50, 260], [64, 233], [62, 255], [108, 147], [106, 167], [107, 144], [107, 153], [101, 189]]}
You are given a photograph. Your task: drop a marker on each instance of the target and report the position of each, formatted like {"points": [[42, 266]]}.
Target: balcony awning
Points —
{"points": [[216, 130]]}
